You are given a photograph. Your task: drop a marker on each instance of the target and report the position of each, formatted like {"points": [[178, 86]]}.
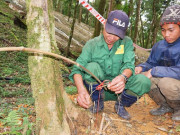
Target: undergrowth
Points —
{"points": [[17, 113]]}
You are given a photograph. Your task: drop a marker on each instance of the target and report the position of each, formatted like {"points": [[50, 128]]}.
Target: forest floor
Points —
{"points": [[141, 122]]}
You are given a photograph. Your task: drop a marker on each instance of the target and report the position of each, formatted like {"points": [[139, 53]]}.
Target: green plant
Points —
{"points": [[71, 90], [25, 100], [12, 120], [27, 126]]}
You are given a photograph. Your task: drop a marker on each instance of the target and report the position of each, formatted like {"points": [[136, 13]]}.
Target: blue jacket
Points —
{"points": [[164, 60]]}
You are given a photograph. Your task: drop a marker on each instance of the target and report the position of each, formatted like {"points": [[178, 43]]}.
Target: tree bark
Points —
{"points": [[46, 81]]}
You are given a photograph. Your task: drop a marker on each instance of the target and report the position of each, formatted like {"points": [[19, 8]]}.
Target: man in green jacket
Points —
{"points": [[110, 56]]}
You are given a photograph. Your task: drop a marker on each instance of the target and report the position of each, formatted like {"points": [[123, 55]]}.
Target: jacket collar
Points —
{"points": [[103, 43], [175, 42]]}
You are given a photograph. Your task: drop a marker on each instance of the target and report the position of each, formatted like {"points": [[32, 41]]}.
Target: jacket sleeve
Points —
{"points": [[161, 71], [151, 62], [129, 56], [83, 59]]}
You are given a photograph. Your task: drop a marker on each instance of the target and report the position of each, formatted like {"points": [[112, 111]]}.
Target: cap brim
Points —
{"points": [[113, 30]]}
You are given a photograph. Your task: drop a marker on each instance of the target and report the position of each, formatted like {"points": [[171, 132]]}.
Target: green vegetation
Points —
{"points": [[16, 101], [17, 112], [71, 90]]}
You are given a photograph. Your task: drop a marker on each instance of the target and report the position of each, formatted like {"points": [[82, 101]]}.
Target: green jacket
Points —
{"points": [[113, 62]]}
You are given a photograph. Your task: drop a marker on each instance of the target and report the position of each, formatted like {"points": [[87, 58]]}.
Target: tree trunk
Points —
{"points": [[130, 10], [111, 5], [152, 32], [87, 15], [142, 35], [72, 30], [155, 32], [46, 81], [148, 38], [59, 6], [69, 13], [101, 7], [137, 20], [155, 23], [80, 14]]}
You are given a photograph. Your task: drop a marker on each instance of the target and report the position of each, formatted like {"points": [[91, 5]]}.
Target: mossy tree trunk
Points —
{"points": [[46, 81]]}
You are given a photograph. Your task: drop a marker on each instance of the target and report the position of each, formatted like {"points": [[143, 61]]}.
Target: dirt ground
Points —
{"points": [[141, 122]]}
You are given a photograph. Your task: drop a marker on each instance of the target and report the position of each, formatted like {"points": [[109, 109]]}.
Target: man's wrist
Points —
{"points": [[125, 77]]}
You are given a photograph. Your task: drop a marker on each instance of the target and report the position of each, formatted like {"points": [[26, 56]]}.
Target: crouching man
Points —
{"points": [[163, 65], [110, 56]]}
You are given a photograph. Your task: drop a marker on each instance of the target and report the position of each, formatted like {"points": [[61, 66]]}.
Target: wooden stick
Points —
{"points": [[120, 120], [108, 123], [30, 50], [101, 125]]}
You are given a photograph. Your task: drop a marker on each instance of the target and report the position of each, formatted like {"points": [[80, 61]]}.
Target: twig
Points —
{"points": [[162, 129], [145, 100], [102, 122], [165, 130], [108, 123], [71, 121], [119, 120]]}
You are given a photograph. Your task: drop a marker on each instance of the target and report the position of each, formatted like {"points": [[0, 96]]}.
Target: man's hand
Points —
{"points": [[148, 73], [118, 84], [83, 98], [138, 70]]}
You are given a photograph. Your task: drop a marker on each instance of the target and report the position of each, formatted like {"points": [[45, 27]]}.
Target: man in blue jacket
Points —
{"points": [[163, 65]]}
